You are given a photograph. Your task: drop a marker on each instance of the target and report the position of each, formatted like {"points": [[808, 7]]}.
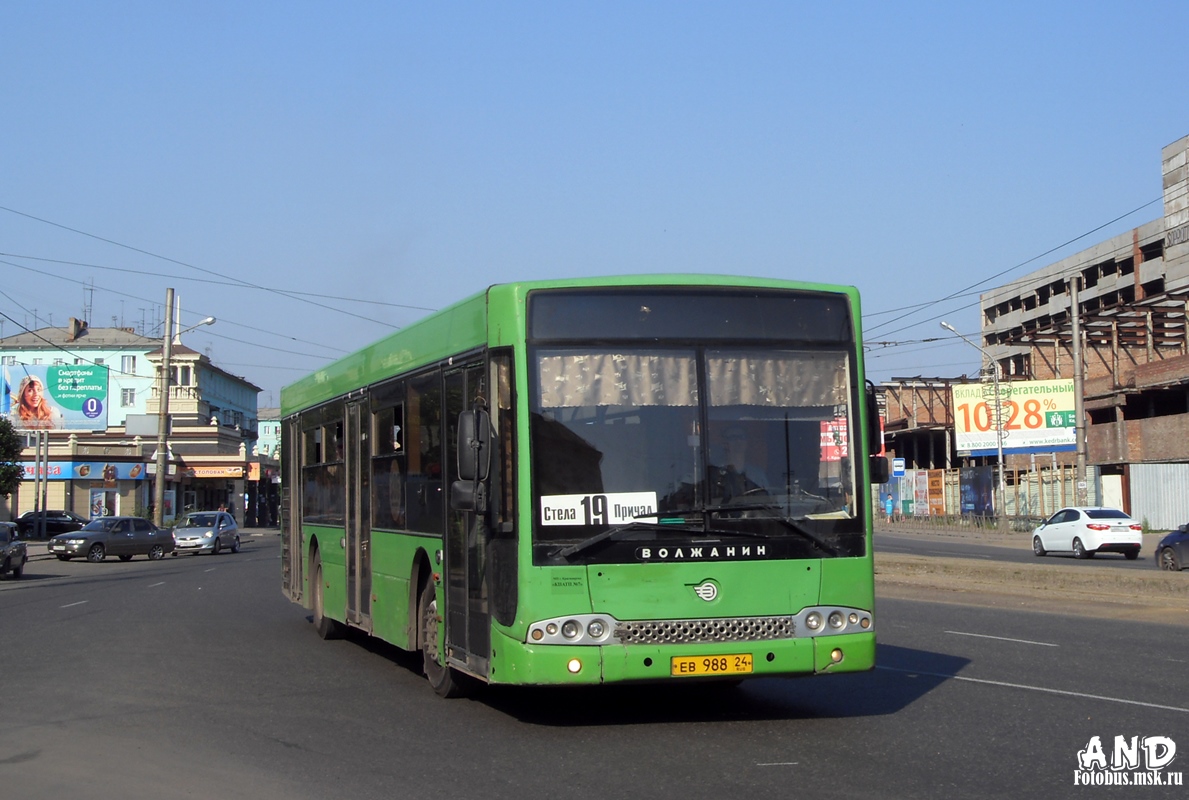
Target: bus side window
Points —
{"points": [[424, 498], [388, 468]]}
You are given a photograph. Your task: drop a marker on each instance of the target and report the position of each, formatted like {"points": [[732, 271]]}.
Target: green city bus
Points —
{"points": [[586, 481]]}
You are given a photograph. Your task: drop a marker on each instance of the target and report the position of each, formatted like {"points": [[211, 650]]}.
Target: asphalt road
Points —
{"points": [[193, 677]]}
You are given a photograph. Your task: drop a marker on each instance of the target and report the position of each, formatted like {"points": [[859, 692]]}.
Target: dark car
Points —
{"points": [[13, 553], [55, 522], [1172, 553], [113, 536]]}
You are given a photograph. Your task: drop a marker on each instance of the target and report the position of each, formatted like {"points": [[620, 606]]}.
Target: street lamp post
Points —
{"points": [[163, 408], [1001, 501]]}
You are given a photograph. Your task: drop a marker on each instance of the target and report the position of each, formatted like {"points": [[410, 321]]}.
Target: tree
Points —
{"points": [[11, 470]]}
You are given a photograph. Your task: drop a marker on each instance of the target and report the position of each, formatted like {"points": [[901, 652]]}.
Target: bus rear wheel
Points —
{"points": [[444, 680], [327, 628]]}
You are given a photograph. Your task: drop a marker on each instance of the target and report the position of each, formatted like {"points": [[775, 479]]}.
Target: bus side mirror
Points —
{"points": [[474, 445], [879, 469], [878, 465], [469, 493]]}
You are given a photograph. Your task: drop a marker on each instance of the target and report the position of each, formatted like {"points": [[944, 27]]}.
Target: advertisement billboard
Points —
{"points": [[1038, 416], [59, 397], [94, 471]]}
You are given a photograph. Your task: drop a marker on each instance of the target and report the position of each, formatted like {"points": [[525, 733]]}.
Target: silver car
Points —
{"points": [[206, 532], [112, 536]]}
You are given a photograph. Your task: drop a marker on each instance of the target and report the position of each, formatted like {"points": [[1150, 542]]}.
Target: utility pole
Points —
{"points": [[163, 383], [1079, 389]]}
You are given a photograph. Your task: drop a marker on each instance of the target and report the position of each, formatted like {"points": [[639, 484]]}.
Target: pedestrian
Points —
{"points": [[889, 505]]}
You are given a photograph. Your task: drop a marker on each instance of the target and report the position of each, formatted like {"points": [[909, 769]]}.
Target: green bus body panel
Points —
{"points": [[849, 581], [393, 555], [665, 591], [496, 317]]}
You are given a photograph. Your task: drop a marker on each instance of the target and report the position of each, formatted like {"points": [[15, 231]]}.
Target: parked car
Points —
{"points": [[13, 552], [116, 536], [1087, 531], [55, 522], [206, 532], [1173, 551]]}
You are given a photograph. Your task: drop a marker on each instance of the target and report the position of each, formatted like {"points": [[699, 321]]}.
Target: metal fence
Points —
{"points": [[1156, 495], [1030, 494]]}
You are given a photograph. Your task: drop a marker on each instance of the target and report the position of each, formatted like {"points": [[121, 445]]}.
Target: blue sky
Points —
{"points": [[315, 175]]}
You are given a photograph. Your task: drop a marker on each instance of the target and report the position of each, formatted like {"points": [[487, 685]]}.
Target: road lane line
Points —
{"points": [[1043, 689], [779, 764], [1004, 639], [72, 605], [159, 583]]}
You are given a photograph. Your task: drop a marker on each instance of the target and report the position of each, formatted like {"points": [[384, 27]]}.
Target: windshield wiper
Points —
{"points": [[633, 525], [779, 516]]}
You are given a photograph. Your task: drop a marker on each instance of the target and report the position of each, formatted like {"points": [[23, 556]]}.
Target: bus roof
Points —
{"points": [[463, 326]]}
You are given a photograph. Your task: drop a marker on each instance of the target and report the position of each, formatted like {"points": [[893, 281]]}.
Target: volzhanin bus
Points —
{"points": [[645, 478]]}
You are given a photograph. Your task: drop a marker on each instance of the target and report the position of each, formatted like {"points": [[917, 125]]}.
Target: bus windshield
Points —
{"points": [[640, 450]]}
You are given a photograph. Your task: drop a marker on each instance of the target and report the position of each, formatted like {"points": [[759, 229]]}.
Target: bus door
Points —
{"points": [[468, 615], [293, 581], [357, 515]]}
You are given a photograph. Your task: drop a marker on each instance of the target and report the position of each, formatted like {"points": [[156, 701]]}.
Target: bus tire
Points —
{"points": [[326, 627], [444, 680]]}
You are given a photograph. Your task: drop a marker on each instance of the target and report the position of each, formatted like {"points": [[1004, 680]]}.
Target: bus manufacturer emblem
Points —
{"points": [[706, 590]]}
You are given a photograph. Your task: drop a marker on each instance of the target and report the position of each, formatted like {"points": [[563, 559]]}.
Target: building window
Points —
{"points": [[127, 398], [128, 365], [37, 362], [59, 362], [8, 361], [182, 375]]}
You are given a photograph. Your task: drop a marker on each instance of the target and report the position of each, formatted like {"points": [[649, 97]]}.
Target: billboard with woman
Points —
{"points": [[40, 397]]}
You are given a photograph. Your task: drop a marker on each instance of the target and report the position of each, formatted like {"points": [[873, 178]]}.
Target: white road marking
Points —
{"points": [[1003, 639], [159, 583], [779, 764], [1036, 689], [72, 605]]}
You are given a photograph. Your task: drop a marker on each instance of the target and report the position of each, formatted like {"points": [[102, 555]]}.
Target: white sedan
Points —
{"points": [[1086, 531]]}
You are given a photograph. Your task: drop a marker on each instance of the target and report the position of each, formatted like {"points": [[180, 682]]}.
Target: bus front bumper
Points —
{"points": [[515, 662]]}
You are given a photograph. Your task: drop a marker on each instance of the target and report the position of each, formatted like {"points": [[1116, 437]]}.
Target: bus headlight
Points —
{"points": [[582, 629], [831, 621]]}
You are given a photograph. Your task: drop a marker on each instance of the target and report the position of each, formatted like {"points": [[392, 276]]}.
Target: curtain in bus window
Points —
{"points": [[777, 380], [617, 379]]}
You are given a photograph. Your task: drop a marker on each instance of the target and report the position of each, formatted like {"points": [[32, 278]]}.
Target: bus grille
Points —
{"points": [[682, 631]]}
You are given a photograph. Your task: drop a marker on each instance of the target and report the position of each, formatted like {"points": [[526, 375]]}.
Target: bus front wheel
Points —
{"points": [[444, 680]]}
